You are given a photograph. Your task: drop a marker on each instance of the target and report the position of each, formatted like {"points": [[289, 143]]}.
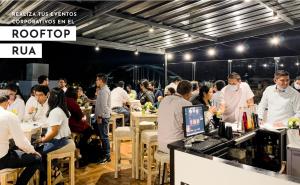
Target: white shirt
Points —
{"points": [[17, 107], [217, 99], [234, 100], [170, 121], [171, 85], [58, 117], [31, 102], [39, 115], [10, 127], [118, 97], [280, 105]]}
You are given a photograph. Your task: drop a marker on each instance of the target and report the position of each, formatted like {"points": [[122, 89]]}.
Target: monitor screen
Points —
{"points": [[193, 120]]}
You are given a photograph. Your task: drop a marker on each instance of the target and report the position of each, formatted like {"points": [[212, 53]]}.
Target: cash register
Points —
{"points": [[194, 131]]}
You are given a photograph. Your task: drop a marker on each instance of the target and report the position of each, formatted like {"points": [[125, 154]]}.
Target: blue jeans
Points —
{"points": [[123, 110], [102, 131], [19, 159]]}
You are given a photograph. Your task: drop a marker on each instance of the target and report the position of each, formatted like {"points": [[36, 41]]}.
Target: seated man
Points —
{"points": [[119, 98], [170, 115], [25, 157]]}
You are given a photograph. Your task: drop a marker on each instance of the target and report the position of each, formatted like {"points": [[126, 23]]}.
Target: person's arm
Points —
{"points": [[75, 110], [51, 134], [263, 105], [296, 105], [19, 136], [250, 102]]}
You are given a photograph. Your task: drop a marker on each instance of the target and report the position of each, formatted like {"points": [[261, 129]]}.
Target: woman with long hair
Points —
{"points": [[146, 94]]}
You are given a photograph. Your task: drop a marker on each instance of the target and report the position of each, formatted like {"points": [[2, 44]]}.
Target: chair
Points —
{"points": [[148, 146], [62, 153], [162, 160], [8, 174], [113, 122], [122, 133]]}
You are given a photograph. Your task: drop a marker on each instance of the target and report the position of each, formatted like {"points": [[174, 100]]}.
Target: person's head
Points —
{"points": [[206, 92], [282, 79], [184, 88], [234, 81], [101, 79], [41, 93], [170, 91], [297, 83], [176, 80], [43, 80], [57, 99], [4, 97], [219, 84], [128, 88], [32, 90], [152, 85], [12, 90], [144, 85], [71, 93], [62, 82], [120, 84], [79, 91], [195, 85]]}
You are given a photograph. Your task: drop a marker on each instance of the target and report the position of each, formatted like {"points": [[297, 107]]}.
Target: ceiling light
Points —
{"points": [[187, 56], [136, 52], [265, 65], [247, 1], [229, 61], [170, 56], [297, 63], [211, 52], [240, 48], [186, 35], [281, 65], [151, 30], [97, 48], [275, 40], [250, 66]]}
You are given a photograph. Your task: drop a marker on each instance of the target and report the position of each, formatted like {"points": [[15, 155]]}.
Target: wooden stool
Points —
{"points": [[8, 174], [113, 122], [147, 125], [148, 144], [162, 160], [64, 152], [122, 133]]}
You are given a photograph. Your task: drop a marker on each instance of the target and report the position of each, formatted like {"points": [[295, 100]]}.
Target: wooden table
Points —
{"points": [[30, 128], [135, 119]]}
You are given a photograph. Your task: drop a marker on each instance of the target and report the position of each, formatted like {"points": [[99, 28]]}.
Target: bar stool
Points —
{"points": [[62, 153], [113, 123], [9, 173], [147, 146], [147, 125], [162, 159], [122, 133]]}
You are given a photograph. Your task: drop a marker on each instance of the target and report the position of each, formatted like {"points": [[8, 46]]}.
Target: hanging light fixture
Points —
{"points": [[211, 52], [187, 56], [151, 29], [136, 52], [97, 48], [240, 48], [275, 40], [170, 56]]}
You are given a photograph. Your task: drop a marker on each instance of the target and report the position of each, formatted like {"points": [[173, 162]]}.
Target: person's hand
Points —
{"points": [[37, 154], [31, 110], [212, 109], [84, 118], [99, 120]]}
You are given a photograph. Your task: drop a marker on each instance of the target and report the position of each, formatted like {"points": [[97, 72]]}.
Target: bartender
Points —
{"points": [[281, 101]]}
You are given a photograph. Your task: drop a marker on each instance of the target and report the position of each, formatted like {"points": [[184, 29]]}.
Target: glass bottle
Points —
{"points": [[245, 122]]}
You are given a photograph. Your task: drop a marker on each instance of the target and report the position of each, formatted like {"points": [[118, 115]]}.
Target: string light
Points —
{"points": [[97, 48], [151, 30], [136, 52], [211, 52], [170, 56], [275, 40], [187, 56], [240, 48]]}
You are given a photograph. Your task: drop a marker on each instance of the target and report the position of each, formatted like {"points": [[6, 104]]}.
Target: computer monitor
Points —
{"points": [[193, 120]]}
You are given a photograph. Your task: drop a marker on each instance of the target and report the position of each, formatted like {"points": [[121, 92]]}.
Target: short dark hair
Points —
{"points": [[120, 84], [195, 85], [64, 79], [171, 90], [42, 78], [57, 99], [42, 88], [102, 77], [280, 73], [177, 78], [153, 83], [71, 93], [145, 83], [184, 87], [234, 75], [297, 78], [220, 84]]}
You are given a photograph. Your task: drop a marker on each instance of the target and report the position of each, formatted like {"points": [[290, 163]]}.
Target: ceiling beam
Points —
{"points": [[157, 25], [115, 45], [279, 14], [235, 37]]}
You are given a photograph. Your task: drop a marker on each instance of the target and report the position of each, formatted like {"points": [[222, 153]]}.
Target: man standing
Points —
{"points": [[43, 80], [173, 84], [236, 94], [280, 100], [62, 84], [102, 114], [170, 115]]}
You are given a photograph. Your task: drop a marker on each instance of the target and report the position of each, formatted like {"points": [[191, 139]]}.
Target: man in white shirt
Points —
{"points": [[25, 157], [218, 96], [119, 98], [280, 101], [16, 103], [170, 119], [236, 94], [173, 84], [30, 104]]}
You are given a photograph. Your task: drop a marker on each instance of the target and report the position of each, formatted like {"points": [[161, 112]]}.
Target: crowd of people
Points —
{"points": [[59, 111]]}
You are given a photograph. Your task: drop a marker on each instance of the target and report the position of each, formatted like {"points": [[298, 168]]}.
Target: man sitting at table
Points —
{"points": [[170, 115], [119, 98], [280, 100], [25, 157]]}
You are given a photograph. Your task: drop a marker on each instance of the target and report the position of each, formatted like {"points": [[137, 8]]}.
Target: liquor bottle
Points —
{"points": [[245, 122], [270, 146]]}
